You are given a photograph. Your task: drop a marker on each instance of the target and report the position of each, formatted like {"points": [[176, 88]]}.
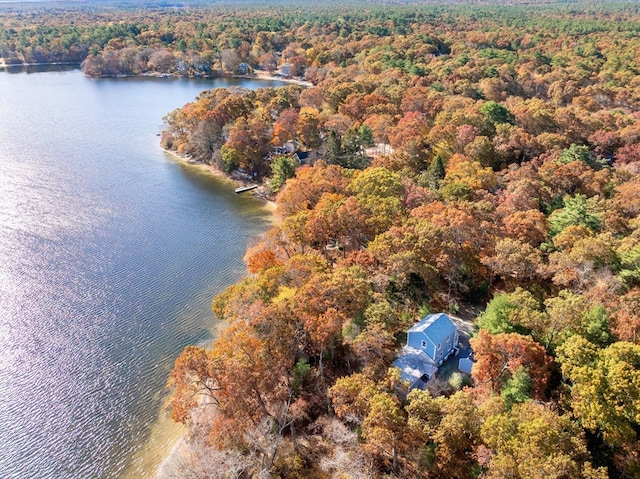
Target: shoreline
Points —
{"points": [[258, 75], [167, 446], [164, 437], [5, 65], [262, 75], [258, 194]]}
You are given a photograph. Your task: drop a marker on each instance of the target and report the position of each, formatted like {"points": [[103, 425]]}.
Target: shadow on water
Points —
{"points": [[44, 68], [202, 178]]}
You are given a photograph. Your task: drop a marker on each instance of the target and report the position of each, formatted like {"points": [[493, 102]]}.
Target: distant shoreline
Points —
{"points": [[262, 75], [5, 65], [259, 75]]}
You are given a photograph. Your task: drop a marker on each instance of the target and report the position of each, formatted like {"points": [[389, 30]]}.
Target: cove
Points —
{"points": [[110, 253]]}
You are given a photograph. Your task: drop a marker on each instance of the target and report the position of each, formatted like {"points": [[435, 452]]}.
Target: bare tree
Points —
{"points": [[196, 460], [230, 59]]}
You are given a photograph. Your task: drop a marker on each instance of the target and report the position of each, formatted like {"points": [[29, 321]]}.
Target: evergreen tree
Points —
{"points": [[436, 172], [334, 151]]}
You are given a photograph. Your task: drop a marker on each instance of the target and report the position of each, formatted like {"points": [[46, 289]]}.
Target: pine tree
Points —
{"points": [[436, 172]]}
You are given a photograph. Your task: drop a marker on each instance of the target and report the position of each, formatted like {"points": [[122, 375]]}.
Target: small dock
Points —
{"points": [[242, 189]]}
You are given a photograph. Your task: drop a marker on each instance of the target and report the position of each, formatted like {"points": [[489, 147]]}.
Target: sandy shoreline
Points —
{"points": [[257, 75], [262, 75]]}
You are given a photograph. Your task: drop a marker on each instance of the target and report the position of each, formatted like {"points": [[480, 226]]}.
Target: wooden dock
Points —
{"points": [[242, 189]]}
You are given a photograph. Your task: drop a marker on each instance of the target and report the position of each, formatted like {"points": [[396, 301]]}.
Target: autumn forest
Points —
{"points": [[478, 160]]}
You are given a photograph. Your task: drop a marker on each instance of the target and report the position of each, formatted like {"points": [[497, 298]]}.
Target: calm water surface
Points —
{"points": [[110, 252]]}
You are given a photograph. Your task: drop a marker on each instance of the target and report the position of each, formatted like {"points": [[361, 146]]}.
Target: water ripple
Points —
{"points": [[109, 255]]}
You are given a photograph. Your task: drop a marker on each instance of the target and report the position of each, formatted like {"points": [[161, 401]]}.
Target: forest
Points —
{"points": [[456, 158]]}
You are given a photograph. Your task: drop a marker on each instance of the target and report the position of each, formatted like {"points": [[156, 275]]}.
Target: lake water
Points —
{"points": [[110, 253]]}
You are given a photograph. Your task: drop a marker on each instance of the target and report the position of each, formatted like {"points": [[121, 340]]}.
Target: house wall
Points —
{"points": [[447, 346], [415, 340], [431, 350]]}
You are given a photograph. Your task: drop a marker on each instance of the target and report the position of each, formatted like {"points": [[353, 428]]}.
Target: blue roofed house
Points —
{"points": [[436, 335], [429, 343]]}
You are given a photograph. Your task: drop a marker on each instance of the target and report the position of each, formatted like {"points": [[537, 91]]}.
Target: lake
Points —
{"points": [[110, 253]]}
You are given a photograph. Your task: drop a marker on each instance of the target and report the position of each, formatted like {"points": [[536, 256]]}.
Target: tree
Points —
{"points": [[198, 459], [231, 158], [365, 134], [517, 389], [310, 184], [626, 317], [499, 356], [379, 191], [605, 388], [496, 113], [470, 173], [465, 135], [380, 126], [230, 59], [514, 261], [255, 397], [193, 383], [260, 258], [410, 128], [284, 129], [323, 223], [531, 441], [161, 61], [581, 153], [513, 144], [436, 172], [629, 254], [481, 150], [352, 149], [282, 168], [349, 150], [528, 226], [511, 312], [249, 140], [375, 348], [350, 397], [334, 148], [524, 190], [407, 253], [565, 314], [383, 427], [268, 62], [308, 127], [325, 303], [449, 425], [577, 210]]}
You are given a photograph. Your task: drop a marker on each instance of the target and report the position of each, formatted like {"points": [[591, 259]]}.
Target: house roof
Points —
{"points": [[414, 364], [436, 326]]}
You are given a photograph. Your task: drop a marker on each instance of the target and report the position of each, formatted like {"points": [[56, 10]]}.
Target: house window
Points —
{"points": [[448, 337], [424, 344], [438, 346]]}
